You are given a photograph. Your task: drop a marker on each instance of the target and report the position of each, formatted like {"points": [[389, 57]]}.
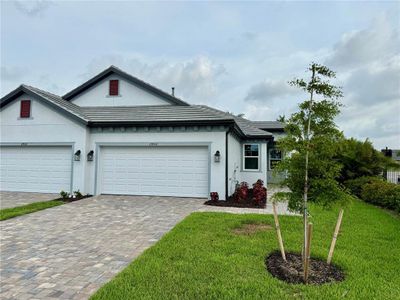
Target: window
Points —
{"points": [[251, 157], [25, 109], [114, 84], [275, 156]]}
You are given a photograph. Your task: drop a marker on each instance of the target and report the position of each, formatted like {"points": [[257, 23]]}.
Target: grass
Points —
{"points": [[202, 258], [13, 212]]}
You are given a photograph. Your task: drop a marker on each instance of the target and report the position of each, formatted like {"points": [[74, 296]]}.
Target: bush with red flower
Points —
{"points": [[259, 193]]}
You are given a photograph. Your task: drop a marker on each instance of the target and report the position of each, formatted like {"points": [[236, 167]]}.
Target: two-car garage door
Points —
{"points": [[181, 171], [163, 171], [45, 169]]}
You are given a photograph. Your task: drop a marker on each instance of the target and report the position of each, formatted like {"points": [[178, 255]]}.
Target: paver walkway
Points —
{"points": [[69, 251], [13, 199]]}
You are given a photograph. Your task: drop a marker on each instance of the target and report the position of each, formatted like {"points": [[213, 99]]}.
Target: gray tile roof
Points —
{"points": [[151, 113], [169, 113], [144, 115], [269, 125], [245, 125]]}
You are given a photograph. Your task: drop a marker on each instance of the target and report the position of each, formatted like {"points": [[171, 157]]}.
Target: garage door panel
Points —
{"points": [[35, 169], [164, 171]]}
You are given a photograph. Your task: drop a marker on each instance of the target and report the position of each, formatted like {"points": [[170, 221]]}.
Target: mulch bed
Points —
{"points": [[68, 200], [291, 271], [232, 202]]}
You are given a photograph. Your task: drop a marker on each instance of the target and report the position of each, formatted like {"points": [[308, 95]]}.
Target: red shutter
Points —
{"points": [[113, 87], [25, 108]]}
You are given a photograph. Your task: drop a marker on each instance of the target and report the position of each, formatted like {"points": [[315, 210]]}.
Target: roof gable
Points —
{"points": [[112, 70], [55, 101]]}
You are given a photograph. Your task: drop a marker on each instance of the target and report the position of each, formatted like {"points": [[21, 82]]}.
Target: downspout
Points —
{"points": [[226, 163]]}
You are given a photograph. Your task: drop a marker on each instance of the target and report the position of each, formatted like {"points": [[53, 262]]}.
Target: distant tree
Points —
{"points": [[281, 118], [360, 159], [312, 140]]}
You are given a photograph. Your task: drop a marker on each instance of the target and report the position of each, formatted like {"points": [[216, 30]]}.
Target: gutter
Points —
{"points": [[226, 163], [161, 123]]}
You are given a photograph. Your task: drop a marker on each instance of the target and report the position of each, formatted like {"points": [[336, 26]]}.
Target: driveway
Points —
{"points": [[13, 199], [69, 251]]}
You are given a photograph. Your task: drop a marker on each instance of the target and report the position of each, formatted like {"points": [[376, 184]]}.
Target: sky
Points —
{"points": [[235, 56]]}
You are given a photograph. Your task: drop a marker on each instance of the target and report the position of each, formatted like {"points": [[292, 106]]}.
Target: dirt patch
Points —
{"points": [[291, 271], [248, 229]]}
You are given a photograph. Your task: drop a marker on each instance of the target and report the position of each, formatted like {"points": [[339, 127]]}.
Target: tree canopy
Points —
{"points": [[321, 143], [360, 159]]}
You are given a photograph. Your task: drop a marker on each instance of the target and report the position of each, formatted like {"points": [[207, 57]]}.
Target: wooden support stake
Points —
{"points": [[278, 232], [335, 235], [308, 251]]}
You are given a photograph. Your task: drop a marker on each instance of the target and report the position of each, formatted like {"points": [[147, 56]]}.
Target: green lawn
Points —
{"points": [[202, 259], [13, 212]]}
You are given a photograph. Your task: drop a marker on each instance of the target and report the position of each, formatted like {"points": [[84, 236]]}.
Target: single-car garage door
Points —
{"points": [[161, 171], [43, 169]]}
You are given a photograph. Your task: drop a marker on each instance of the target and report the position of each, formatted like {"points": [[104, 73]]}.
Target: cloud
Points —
{"points": [[248, 35], [195, 80], [266, 91], [256, 112], [368, 61], [32, 8], [368, 65], [374, 85], [379, 41], [12, 73], [380, 124]]}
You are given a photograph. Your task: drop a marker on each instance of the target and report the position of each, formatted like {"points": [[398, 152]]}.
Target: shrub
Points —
{"points": [[259, 193], [78, 194], [64, 195], [241, 192], [382, 193], [214, 196], [355, 185]]}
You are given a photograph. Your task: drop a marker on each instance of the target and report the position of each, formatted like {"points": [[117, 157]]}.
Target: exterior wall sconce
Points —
{"points": [[77, 155], [90, 155], [217, 156]]}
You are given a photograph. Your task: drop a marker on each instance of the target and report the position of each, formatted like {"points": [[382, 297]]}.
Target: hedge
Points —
{"points": [[356, 185], [382, 193]]}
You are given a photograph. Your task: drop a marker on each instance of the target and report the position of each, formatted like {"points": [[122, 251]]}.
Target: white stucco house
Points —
{"points": [[116, 134]]}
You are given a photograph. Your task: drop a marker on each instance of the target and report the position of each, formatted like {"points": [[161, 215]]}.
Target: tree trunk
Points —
{"points": [[305, 213]]}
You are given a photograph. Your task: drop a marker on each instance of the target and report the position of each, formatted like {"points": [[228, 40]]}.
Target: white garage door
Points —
{"points": [[35, 169], [161, 171]]}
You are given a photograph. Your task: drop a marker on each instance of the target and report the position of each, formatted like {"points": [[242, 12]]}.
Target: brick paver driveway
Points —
{"points": [[69, 251], [13, 199]]}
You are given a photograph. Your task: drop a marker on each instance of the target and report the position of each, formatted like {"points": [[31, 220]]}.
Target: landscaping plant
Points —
{"points": [[259, 193], [64, 195], [382, 193], [242, 192], [312, 139], [214, 196], [78, 194]]}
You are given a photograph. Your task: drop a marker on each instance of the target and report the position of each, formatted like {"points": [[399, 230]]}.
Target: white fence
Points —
{"points": [[393, 176]]}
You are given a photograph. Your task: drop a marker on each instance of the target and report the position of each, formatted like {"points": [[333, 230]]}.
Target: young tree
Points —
{"points": [[312, 139]]}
